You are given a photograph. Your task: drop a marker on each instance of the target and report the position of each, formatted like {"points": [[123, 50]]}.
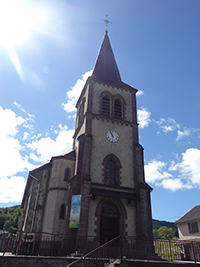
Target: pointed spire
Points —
{"points": [[105, 68]]}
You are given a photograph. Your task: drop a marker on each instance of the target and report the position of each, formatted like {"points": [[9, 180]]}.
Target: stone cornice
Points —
{"points": [[113, 120], [57, 188]]}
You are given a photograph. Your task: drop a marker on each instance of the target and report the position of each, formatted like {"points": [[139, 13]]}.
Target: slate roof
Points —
{"points": [[190, 215], [105, 68]]}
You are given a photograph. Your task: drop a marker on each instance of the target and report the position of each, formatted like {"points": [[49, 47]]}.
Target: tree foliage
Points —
{"points": [[165, 232], [10, 217]]}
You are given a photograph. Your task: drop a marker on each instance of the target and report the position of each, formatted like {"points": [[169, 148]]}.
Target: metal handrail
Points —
{"points": [[94, 252]]}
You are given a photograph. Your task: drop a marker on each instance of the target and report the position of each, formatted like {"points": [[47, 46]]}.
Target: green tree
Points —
{"points": [[155, 233], [11, 214], [7, 225], [166, 232]]}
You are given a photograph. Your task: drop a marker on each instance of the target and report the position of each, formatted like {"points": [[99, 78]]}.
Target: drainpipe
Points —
{"points": [[36, 200]]}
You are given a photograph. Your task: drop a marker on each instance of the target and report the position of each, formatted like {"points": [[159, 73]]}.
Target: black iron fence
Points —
{"points": [[47, 244]]}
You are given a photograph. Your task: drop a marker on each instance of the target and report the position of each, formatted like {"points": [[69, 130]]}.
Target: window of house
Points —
{"points": [[117, 109], [193, 227], [67, 175], [106, 106], [62, 211]]}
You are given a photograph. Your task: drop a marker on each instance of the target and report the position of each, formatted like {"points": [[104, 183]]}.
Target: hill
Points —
{"points": [[157, 224]]}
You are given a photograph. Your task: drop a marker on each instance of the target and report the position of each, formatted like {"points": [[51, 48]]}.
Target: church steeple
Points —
{"points": [[105, 68]]}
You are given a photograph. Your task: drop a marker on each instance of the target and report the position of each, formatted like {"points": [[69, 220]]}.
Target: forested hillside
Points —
{"points": [[157, 224], [164, 230], [10, 218]]}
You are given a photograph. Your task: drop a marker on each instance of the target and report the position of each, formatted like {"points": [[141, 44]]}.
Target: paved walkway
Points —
{"points": [[6, 254]]}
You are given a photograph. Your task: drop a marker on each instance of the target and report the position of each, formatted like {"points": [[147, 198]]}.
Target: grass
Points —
{"points": [[167, 249]]}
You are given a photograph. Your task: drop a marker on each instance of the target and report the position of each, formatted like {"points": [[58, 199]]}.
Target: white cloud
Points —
{"points": [[168, 125], [47, 147], [182, 134], [34, 157], [26, 136], [10, 157], [9, 122], [171, 184], [154, 171], [73, 95], [11, 190], [19, 145], [139, 93], [23, 110], [178, 174], [190, 165], [143, 117]]}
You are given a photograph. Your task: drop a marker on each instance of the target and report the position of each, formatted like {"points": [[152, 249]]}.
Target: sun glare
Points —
{"points": [[15, 21], [18, 20], [21, 21]]}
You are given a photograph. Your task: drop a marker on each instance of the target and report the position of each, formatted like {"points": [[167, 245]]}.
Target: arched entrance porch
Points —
{"points": [[109, 221], [111, 218]]}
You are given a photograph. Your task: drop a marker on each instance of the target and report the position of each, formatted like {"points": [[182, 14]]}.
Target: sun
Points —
{"points": [[15, 22], [18, 20], [22, 22]]}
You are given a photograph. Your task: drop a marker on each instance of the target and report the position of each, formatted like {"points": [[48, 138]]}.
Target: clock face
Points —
{"points": [[112, 136]]}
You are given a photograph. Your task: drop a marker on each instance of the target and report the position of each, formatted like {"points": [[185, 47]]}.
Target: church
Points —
{"points": [[98, 188]]}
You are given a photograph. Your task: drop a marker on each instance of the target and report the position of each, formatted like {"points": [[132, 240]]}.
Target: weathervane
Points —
{"points": [[106, 20]]}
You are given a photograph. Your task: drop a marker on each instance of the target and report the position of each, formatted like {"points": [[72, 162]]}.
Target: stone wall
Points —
{"points": [[18, 261], [30, 261], [145, 263]]}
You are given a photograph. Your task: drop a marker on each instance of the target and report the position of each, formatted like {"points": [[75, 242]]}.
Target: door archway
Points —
{"points": [[109, 221]]}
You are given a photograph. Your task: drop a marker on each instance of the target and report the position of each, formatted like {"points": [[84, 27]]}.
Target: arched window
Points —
{"points": [[118, 109], [62, 211], [67, 175], [81, 111], [106, 106], [110, 173], [111, 170]]}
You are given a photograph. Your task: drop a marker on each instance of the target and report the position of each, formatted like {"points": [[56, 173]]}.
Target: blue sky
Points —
{"points": [[48, 49]]}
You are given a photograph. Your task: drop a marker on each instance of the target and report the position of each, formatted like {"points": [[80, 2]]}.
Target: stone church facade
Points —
{"points": [[105, 167]]}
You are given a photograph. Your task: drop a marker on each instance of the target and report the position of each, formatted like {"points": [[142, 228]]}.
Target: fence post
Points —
{"points": [[170, 249], [193, 252], [120, 242], [53, 245]]}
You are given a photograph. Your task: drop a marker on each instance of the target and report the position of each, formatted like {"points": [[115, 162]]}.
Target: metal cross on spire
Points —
{"points": [[107, 21]]}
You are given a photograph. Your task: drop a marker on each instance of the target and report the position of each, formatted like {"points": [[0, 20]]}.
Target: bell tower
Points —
{"points": [[109, 167]]}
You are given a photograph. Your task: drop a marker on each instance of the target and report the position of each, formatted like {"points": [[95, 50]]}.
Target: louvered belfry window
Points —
{"points": [[117, 109], [106, 106], [110, 172]]}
